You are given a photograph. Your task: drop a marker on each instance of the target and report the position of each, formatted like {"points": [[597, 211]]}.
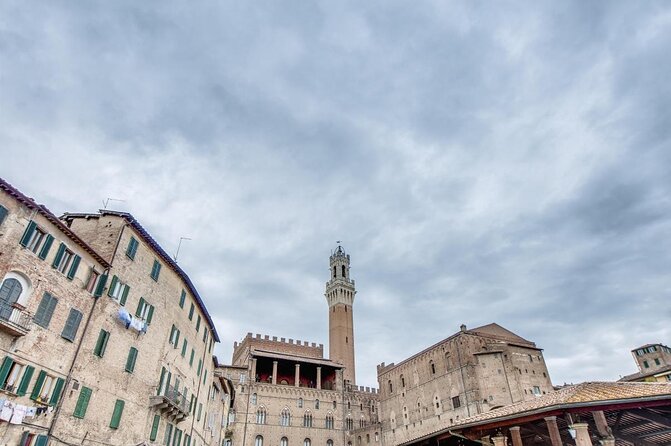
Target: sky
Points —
{"points": [[481, 162]]}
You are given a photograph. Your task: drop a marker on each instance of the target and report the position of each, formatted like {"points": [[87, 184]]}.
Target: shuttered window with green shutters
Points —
{"points": [[56, 394], [47, 389], [130, 361], [198, 324], [28, 234], [101, 344], [177, 438], [187, 440], [3, 214], [182, 299], [116, 415], [154, 427], [193, 352], [191, 312], [155, 270], [132, 248], [200, 366], [7, 363], [73, 267], [59, 256], [101, 286], [46, 247], [184, 343], [25, 380], [168, 435], [72, 325], [42, 440], [82, 402], [35, 394], [45, 310]]}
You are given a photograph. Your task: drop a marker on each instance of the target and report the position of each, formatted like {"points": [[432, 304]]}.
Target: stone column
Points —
{"points": [[553, 430], [253, 370], [297, 376], [274, 381], [515, 433], [319, 378], [499, 440], [582, 434]]}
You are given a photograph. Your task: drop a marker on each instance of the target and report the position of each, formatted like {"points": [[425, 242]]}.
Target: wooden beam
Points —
{"points": [[637, 441], [601, 423], [651, 416]]}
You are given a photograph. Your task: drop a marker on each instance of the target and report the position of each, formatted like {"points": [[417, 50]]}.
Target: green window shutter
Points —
{"points": [[198, 324], [172, 333], [205, 377], [59, 255], [195, 404], [184, 348], [200, 411], [150, 314], [28, 233], [191, 404], [3, 214], [45, 310], [25, 380], [101, 286], [82, 402], [58, 388], [38, 385], [132, 248], [42, 440], [191, 312], [4, 370], [155, 270], [110, 290], [116, 415], [124, 296], [72, 325], [130, 362], [182, 299], [191, 359], [177, 339], [73, 267], [154, 427], [187, 440], [177, 438], [101, 344], [168, 435], [160, 381], [46, 247], [200, 366], [140, 306]]}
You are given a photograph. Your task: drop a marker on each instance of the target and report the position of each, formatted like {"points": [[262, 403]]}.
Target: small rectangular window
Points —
{"points": [[3, 214], [144, 310], [200, 366], [130, 361], [45, 310], [182, 299], [116, 415], [455, 402], [101, 344], [193, 352], [184, 343], [82, 402], [155, 270], [72, 325], [198, 324], [118, 290], [132, 248], [154, 427], [93, 279], [191, 312]]}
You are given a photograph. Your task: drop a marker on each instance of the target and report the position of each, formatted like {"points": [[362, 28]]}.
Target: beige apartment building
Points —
{"points": [[48, 291], [653, 362]]}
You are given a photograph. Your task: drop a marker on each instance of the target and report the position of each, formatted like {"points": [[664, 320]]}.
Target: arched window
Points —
{"points": [[329, 421], [9, 293], [285, 417], [349, 423], [307, 442], [343, 271], [231, 416], [253, 399], [258, 441], [329, 442], [261, 415], [367, 438], [349, 405], [334, 272], [402, 381], [300, 402], [335, 405], [307, 419], [284, 441], [391, 387], [316, 404], [433, 367], [377, 436], [358, 440], [362, 421]]}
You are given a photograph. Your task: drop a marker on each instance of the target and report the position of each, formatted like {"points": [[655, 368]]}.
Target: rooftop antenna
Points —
{"points": [[106, 202], [179, 246]]}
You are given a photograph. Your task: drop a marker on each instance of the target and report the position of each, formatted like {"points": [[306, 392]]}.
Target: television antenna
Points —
{"points": [[179, 245]]}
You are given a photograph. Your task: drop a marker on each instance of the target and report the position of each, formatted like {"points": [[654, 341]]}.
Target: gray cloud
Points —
{"points": [[503, 162]]}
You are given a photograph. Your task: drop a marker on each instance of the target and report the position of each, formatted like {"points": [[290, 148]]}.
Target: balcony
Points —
{"points": [[171, 403], [14, 319]]}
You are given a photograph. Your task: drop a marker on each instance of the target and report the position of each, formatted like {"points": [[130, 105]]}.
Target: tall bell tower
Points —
{"points": [[340, 297]]}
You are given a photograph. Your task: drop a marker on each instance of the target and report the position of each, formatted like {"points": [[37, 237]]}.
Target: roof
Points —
{"points": [[641, 375], [496, 331], [587, 393], [46, 213], [157, 248], [298, 358], [649, 345]]}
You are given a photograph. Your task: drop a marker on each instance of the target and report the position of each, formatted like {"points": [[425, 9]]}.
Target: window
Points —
{"points": [[300, 402], [155, 270], [284, 441], [656, 361], [182, 299], [402, 381], [3, 214], [645, 364], [191, 312], [144, 311], [45, 310], [174, 336], [191, 358], [285, 417], [433, 367], [391, 387], [36, 240], [15, 377], [329, 442], [72, 325], [307, 419], [367, 438], [537, 390], [167, 436], [91, 283], [349, 424], [198, 324], [184, 343], [258, 441], [132, 248], [47, 388], [200, 366], [83, 402], [253, 398], [316, 404], [66, 261], [455, 402], [307, 442], [101, 344], [177, 438], [329, 421], [205, 335], [9, 294], [335, 405], [261, 416], [118, 290], [130, 361]]}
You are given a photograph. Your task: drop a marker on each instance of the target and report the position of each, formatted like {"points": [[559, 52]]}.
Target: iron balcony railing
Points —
{"points": [[16, 319], [176, 398]]}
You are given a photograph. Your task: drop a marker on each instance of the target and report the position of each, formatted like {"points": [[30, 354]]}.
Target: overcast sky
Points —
{"points": [[482, 162]]}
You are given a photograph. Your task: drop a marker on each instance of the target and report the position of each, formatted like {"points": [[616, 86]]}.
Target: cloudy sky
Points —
{"points": [[481, 161]]}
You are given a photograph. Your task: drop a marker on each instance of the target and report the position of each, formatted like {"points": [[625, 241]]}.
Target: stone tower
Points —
{"points": [[340, 297]]}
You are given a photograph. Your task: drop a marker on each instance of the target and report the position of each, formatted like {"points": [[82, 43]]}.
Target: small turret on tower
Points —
{"points": [[340, 294]]}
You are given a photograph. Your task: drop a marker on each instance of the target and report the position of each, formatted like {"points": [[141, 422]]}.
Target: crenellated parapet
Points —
{"points": [[275, 344]]}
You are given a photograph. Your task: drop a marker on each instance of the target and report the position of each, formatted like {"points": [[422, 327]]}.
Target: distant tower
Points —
{"points": [[340, 297]]}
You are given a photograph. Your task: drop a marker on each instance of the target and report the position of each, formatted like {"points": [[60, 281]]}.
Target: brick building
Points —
{"points": [[654, 363]]}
